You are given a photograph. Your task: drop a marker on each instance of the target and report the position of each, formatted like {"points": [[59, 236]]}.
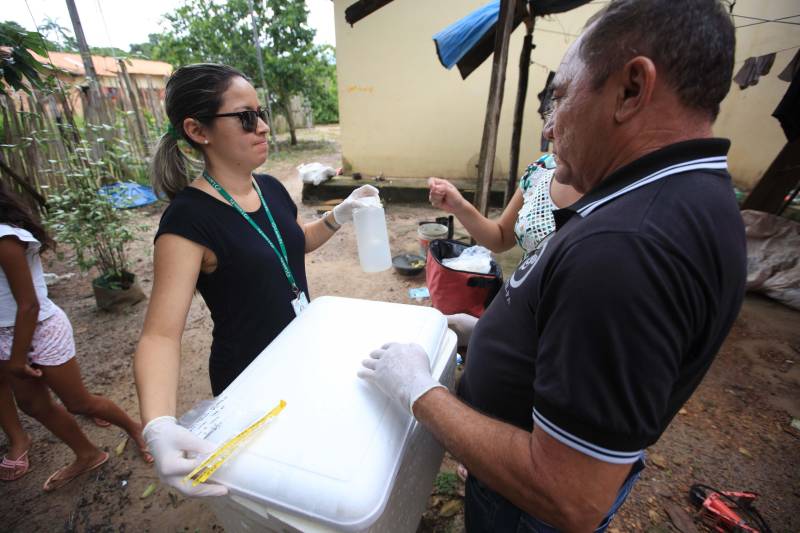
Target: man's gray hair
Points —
{"points": [[691, 42]]}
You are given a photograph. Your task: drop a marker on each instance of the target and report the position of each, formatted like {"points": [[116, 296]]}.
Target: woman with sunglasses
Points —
{"points": [[233, 236]]}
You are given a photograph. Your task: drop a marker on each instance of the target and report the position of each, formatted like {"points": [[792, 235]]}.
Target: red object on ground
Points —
{"points": [[456, 291], [718, 508]]}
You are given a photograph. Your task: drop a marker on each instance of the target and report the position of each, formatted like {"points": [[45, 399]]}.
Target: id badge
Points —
{"points": [[300, 303]]}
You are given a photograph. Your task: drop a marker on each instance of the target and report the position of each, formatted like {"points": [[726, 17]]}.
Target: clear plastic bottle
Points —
{"points": [[372, 238]]}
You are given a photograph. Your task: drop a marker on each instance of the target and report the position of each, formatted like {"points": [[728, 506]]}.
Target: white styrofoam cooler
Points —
{"points": [[340, 457]]}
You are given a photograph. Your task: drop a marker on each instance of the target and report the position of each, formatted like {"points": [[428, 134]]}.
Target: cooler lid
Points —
{"points": [[333, 453]]}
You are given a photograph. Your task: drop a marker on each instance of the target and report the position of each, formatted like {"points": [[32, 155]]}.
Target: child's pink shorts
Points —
{"points": [[52, 343]]}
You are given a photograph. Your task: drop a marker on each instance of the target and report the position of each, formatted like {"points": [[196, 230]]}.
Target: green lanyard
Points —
{"points": [[282, 257]]}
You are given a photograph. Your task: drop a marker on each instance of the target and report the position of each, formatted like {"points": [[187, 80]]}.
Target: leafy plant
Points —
{"points": [[16, 62], [87, 221], [446, 483], [82, 218]]}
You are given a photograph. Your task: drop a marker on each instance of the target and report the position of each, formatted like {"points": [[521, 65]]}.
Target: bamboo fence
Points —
{"points": [[41, 133]]}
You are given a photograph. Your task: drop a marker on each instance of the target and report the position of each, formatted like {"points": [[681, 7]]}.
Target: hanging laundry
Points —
{"points": [[788, 111], [754, 68], [791, 69], [545, 96]]}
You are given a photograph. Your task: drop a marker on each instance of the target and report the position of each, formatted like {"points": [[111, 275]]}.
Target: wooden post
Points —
{"points": [[134, 103], [88, 65], [519, 109], [86, 55], [505, 22]]}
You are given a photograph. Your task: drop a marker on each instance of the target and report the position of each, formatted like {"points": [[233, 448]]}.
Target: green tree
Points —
{"points": [[16, 62], [326, 103], [59, 38], [145, 50], [205, 31]]}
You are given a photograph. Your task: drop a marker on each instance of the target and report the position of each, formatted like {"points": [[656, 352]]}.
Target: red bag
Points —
{"points": [[456, 291]]}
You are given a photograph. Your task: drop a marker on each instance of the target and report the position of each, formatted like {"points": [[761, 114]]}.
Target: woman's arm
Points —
{"points": [[318, 232], [176, 266], [496, 235], [18, 274]]}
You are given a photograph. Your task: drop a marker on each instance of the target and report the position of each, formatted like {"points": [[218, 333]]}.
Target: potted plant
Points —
{"points": [[86, 220]]}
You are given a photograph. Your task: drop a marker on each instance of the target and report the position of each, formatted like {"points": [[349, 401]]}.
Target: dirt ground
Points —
{"points": [[735, 433]]}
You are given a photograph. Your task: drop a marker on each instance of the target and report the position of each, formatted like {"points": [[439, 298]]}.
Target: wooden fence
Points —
{"points": [[42, 135]]}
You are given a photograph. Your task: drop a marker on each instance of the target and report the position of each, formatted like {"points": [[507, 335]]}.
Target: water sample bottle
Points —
{"points": [[372, 239]]}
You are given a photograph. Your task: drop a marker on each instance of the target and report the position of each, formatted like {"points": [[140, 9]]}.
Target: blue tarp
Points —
{"points": [[125, 195], [456, 40], [469, 41]]}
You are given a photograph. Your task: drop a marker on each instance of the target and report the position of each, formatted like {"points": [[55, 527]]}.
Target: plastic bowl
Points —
{"points": [[408, 264]]}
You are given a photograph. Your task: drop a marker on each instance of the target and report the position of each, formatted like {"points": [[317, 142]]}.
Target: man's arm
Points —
{"points": [[554, 483]]}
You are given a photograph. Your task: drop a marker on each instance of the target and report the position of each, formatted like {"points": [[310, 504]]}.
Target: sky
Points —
{"points": [[119, 24]]}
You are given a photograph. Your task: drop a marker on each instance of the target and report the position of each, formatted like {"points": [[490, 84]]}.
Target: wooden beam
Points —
{"points": [[780, 179], [362, 9], [519, 109], [505, 23]]}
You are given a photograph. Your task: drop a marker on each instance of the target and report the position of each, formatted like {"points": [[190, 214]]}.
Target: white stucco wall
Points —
{"points": [[403, 114]]}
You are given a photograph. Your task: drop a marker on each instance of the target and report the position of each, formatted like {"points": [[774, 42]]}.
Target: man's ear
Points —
{"points": [[194, 130], [636, 84]]}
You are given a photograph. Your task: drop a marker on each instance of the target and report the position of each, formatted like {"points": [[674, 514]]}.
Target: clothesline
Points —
{"points": [[781, 20], [773, 52]]}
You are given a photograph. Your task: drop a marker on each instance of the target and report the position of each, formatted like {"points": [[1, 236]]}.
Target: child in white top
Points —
{"points": [[37, 355]]}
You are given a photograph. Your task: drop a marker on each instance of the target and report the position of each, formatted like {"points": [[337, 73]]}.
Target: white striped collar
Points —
{"points": [[685, 156], [705, 163]]}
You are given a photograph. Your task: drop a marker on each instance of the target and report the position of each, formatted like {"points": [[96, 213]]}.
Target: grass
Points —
{"points": [[307, 148], [446, 483]]}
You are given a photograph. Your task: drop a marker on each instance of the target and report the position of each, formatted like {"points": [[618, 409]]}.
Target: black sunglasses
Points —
{"points": [[248, 118]]}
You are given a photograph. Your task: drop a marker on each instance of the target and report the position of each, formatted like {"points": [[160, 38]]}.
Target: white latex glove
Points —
{"points": [[462, 324], [401, 371], [344, 211], [177, 451]]}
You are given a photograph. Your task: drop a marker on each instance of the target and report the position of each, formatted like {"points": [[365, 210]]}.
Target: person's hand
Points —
{"points": [[444, 195], [177, 451], [344, 211], [23, 371], [401, 371], [462, 324]]}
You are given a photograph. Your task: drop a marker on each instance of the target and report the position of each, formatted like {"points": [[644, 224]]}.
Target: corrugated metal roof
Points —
{"points": [[105, 66]]}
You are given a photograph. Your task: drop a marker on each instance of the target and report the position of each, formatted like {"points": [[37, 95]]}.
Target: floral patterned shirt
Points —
{"points": [[535, 220]]}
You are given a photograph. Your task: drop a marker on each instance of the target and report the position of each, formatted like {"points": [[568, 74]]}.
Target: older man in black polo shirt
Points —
{"points": [[598, 338]]}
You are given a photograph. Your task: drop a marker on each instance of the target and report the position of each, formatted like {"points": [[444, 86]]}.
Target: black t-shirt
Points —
{"points": [[248, 294], [600, 336]]}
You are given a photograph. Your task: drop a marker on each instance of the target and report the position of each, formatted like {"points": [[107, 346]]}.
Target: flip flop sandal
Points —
{"points": [[462, 472], [53, 482], [13, 469], [99, 422], [147, 457]]}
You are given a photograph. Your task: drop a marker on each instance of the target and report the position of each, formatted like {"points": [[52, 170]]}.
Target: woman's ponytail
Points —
{"points": [[169, 169]]}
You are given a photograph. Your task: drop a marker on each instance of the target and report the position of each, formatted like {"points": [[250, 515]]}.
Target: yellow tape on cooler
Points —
{"points": [[225, 451]]}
